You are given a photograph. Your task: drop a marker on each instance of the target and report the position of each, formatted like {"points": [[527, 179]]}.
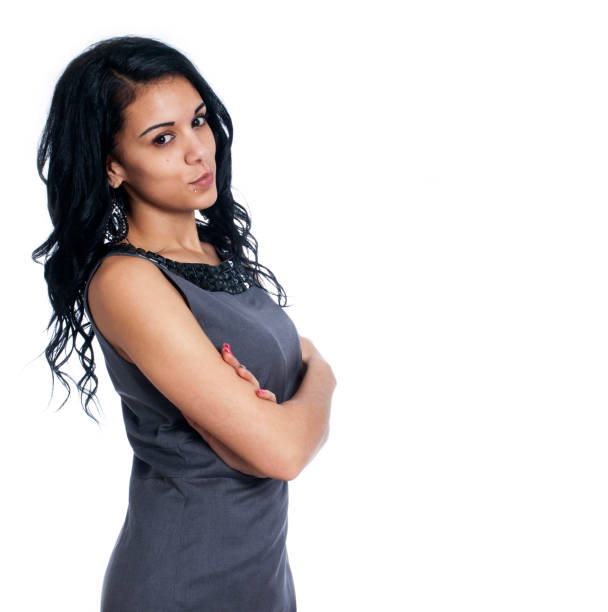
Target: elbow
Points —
{"points": [[291, 472], [291, 453], [295, 461], [288, 475], [285, 465], [278, 465], [286, 469]]}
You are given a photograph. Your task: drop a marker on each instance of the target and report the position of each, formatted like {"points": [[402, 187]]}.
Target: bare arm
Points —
{"points": [[317, 391], [227, 455], [308, 412]]}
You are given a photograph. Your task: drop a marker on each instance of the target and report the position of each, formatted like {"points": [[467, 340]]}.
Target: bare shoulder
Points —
{"points": [[119, 268], [117, 285]]}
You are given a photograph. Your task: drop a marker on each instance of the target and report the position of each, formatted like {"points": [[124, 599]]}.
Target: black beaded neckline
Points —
{"points": [[229, 275]]}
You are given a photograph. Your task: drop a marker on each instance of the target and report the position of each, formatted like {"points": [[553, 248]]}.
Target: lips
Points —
{"points": [[203, 176]]}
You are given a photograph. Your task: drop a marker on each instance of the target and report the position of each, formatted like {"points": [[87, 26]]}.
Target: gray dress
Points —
{"points": [[200, 536]]}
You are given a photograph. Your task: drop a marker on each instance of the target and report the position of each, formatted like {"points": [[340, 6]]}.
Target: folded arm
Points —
{"points": [[139, 311]]}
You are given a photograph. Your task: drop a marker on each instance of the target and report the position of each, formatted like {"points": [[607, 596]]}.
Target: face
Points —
{"points": [[157, 164]]}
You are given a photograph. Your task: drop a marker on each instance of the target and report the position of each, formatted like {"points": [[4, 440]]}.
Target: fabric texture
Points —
{"points": [[199, 535]]}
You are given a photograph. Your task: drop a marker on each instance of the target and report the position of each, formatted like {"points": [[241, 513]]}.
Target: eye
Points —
{"points": [[157, 142], [201, 116], [160, 144]]}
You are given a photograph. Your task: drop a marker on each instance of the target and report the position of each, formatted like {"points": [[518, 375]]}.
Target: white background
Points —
{"points": [[428, 182]]}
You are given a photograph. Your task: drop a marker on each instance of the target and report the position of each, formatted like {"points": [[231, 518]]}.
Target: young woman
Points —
{"points": [[136, 142]]}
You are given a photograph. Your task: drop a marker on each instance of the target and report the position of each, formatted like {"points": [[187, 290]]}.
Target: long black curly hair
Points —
{"points": [[86, 113]]}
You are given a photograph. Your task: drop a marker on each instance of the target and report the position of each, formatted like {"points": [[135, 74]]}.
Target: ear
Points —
{"points": [[116, 173]]}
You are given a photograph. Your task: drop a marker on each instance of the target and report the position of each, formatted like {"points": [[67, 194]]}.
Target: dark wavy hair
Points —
{"points": [[86, 112]]}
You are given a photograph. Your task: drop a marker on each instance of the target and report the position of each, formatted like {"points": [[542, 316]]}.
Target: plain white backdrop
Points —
{"points": [[428, 182]]}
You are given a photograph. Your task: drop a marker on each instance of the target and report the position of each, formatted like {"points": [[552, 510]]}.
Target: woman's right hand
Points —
{"points": [[226, 454], [243, 372]]}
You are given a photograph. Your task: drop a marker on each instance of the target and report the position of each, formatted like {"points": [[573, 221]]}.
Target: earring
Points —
{"points": [[117, 225]]}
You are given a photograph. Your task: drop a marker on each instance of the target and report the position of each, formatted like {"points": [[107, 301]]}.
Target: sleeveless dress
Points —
{"points": [[198, 535]]}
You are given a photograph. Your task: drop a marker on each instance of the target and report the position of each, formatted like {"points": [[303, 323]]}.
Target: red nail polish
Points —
{"points": [[260, 390], [227, 347]]}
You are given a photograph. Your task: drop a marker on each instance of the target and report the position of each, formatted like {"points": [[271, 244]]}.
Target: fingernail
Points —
{"points": [[261, 391], [227, 347]]}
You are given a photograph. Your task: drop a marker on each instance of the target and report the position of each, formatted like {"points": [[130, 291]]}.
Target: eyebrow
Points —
{"points": [[153, 127]]}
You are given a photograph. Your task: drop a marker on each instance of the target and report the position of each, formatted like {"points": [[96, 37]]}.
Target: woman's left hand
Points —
{"points": [[227, 455]]}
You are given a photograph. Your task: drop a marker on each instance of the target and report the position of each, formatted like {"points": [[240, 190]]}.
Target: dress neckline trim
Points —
{"points": [[127, 246], [229, 275]]}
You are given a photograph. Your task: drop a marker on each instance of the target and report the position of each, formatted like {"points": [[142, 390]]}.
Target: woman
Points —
{"points": [[136, 142]]}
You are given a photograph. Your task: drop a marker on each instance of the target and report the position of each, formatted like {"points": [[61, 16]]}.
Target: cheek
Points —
{"points": [[209, 141], [157, 168], [157, 177]]}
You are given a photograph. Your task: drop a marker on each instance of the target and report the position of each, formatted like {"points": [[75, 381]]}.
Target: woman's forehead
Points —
{"points": [[171, 100]]}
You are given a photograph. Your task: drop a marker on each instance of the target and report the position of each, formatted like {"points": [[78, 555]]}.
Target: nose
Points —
{"points": [[198, 149]]}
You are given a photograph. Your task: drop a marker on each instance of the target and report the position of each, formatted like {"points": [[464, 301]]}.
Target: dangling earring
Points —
{"points": [[117, 226]]}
